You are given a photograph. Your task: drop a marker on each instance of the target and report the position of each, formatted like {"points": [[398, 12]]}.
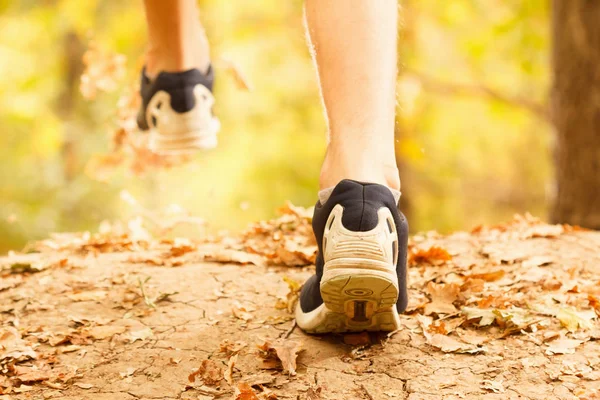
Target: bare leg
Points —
{"points": [[176, 39], [354, 44]]}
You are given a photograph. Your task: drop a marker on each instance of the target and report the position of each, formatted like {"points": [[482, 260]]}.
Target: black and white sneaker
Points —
{"points": [[360, 282], [177, 110]]}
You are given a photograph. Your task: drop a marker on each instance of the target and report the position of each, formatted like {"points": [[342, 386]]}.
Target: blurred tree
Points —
{"points": [[576, 111]]}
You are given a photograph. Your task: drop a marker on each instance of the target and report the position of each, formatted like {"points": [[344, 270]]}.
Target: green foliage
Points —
{"points": [[465, 159]]}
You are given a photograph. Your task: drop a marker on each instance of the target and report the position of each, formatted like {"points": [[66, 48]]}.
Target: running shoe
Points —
{"points": [[177, 111], [360, 280]]}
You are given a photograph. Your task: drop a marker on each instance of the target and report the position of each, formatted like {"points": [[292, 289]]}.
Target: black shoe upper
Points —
{"points": [[361, 202], [179, 85]]}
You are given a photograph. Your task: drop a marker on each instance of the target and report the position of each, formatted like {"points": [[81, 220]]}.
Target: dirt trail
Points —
{"points": [[500, 313]]}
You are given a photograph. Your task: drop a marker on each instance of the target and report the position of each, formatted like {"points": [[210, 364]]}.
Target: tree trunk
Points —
{"points": [[576, 111]]}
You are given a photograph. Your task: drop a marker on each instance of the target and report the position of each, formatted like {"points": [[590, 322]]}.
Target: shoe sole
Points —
{"points": [[185, 143], [359, 286]]}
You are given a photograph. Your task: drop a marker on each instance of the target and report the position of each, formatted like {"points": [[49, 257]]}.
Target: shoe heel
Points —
{"points": [[359, 282], [174, 132]]}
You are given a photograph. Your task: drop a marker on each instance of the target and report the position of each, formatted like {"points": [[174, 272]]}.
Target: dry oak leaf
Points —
{"points": [[243, 391], [241, 312], [490, 276], [449, 344], [574, 320], [284, 350], [12, 347], [235, 257], [140, 334], [210, 373], [563, 346], [105, 331], [442, 297], [435, 255]]}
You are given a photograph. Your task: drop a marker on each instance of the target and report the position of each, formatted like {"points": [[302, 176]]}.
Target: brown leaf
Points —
{"points": [[442, 297], [10, 282], [236, 73], [291, 299], [231, 348], [229, 372], [537, 261], [357, 339], [31, 374], [235, 257], [243, 391], [449, 344], [106, 331], [493, 386], [209, 371], [82, 385], [241, 312], [491, 276], [563, 346], [12, 347], [435, 255], [284, 350], [473, 285], [93, 295], [313, 393]]}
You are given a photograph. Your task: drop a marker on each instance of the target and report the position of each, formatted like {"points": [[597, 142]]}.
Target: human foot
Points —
{"points": [[360, 282], [177, 111]]}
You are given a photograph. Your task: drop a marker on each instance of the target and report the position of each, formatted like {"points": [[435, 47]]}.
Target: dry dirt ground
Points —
{"points": [[505, 312]]}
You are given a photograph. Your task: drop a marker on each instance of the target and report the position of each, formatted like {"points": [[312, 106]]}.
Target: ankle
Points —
{"points": [[188, 54], [338, 166]]}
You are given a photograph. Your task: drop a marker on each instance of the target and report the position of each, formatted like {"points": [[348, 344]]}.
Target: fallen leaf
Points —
{"points": [[543, 231], [291, 299], [537, 261], [10, 282], [235, 257], [140, 334], [130, 371], [563, 346], [485, 316], [285, 351], [83, 385], [493, 386], [448, 344], [313, 393], [357, 339], [31, 374], [241, 312], [229, 372], [105, 331], [243, 391], [209, 371], [95, 295], [434, 255], [574, 320], [442, 297], [13, 347], [231, 348], [490, 276]]}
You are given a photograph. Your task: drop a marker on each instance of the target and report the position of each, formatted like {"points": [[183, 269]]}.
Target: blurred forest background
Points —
{"points": [[474, 140]]}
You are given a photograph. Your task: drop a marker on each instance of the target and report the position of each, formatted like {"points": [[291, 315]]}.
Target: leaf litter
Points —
{"points": [[470, 298]]}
